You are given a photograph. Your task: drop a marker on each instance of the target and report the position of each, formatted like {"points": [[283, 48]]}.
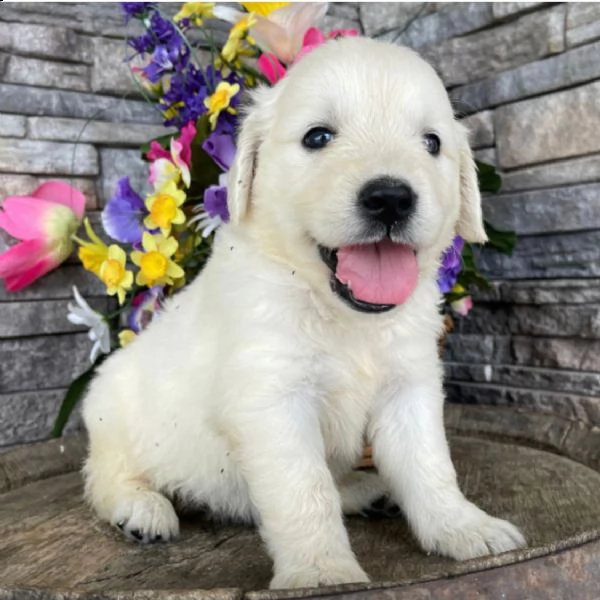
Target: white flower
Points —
{"points": [[82, 314]]}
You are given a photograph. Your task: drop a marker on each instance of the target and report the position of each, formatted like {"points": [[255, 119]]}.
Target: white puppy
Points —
{"points": [[314, 322]]}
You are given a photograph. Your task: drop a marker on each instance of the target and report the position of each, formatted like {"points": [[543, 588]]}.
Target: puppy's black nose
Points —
{"points": [[388, 201]]}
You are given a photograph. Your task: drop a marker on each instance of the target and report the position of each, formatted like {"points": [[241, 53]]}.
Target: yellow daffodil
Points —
{"points": [[264, 9], [164, 208], [220, 100], [93, 253], [156, 266], [195, 12], [126, 337], [113, 273]]}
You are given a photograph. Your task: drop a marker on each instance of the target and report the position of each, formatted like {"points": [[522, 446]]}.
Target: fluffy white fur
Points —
{"points": [[252, 392]]}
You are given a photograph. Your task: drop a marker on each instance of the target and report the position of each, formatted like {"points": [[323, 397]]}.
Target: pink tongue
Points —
{"points": [[383, 273]]}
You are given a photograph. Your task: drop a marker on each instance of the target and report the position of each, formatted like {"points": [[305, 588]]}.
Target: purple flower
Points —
{"points": [[122, 216], [135, 9], [221, 148], [451, 265], [144, 306], [215, 201]]}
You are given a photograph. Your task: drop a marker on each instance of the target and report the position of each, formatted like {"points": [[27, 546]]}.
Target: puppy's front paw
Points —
{"points": [[325, 573], [470, 534], [146, 516]]}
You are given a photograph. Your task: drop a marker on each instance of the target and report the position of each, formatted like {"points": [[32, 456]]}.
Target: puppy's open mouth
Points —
{"points": [[372, 278]]}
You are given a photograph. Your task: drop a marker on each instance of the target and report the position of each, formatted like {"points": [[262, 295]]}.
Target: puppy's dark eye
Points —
{"points": [[432, 143], [317, 138]]}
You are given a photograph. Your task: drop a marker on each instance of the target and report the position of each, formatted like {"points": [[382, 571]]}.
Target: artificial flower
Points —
{"points": [[164, 207], [144, 307], [173, 56], [126, 336], [221, 148], [451, 265], [135, 9], [45, 222], [221, 101], [195, 12], [282, 32], [156, 266], [93, 253], [213, 212], [463, 305], [173, 165], [99, 333], [122, 216], [114, 274], [264, 9], [269, 65]]}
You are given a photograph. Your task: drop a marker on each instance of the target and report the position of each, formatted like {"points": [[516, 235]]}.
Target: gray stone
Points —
{"points": [[12, 126], [47, 158], [33, 71], [576, 170], [346, 10], [554, 380], [428, 30], [560, 125], [465, 59], [41, 317], [546, 211], [502, 10], [486, 319], [51, 361], [117, 163], [546, 257], [477, 348], [94, 132], [58, 284], [486, 155], [564, 70], [111, 73], [583, 22], [481, 129], [331, 22], [568, 406], [378, 18], [29, 416], [557, 353], [556, 319], [3, 62], [559, 291], [62, 103], [43, 41], [22, 185]]}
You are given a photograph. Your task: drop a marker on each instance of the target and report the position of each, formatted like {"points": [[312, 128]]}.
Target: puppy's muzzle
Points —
{"points": [[388, 201]]}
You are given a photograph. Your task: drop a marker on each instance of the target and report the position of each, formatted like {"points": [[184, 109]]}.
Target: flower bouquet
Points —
{"points": [[151, 247]]}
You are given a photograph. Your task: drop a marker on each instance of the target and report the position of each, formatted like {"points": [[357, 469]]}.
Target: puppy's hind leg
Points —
{"points": [[123, 497], [365, 493]]}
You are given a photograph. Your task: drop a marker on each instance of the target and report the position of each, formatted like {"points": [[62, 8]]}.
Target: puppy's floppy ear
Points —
{"points": [[470, 220], [251, 134]]}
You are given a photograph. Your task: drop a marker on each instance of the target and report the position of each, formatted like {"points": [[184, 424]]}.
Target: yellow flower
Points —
{"points": [[241, 28], [93, 253], [264, 9], [220, 100], [164, 208], [126, 337], [195, 12], [114, 275], [156, 266]]}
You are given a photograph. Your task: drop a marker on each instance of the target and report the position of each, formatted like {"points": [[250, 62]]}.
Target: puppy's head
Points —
{"points": [[354, 166]]}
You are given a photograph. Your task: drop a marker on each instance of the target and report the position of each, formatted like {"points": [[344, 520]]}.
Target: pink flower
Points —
{"points": [[44, 222], [271, 68], [462, 306]]}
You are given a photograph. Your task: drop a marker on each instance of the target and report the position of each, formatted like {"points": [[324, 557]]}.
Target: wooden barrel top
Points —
{"points": [[538, 471]]}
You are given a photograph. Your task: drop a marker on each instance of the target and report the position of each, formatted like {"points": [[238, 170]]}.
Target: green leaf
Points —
{"points": [[204, 171], [73, 396], [163, 140], [503, 241], [489, 180]]}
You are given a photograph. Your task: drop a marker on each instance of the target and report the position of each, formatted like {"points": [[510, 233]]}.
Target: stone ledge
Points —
{"points": [[563, 124], [481, 129], [12, 126], [583, 22], [62, 103], [45, 73], [47, 158], [553, 210], [565, 70]]}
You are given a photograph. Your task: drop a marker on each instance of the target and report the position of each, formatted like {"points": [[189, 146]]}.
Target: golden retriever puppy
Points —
{"points": [[314, 322]]}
